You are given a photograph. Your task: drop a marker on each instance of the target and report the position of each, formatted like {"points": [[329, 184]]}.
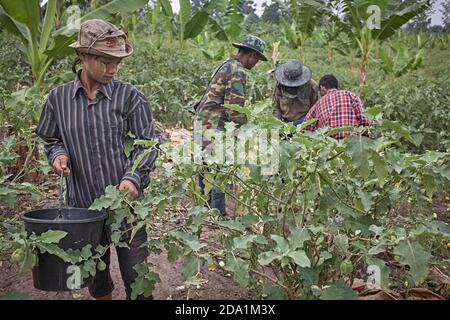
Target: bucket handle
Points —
{"points": [[62, 199]]}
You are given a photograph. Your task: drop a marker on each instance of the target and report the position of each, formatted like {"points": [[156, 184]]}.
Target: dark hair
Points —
{"points": [[329, 81]]}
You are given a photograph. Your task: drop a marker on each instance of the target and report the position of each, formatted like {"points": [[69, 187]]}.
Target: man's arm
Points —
{"points": [[315, 93], [47, 129], [276, 111], [140, 122], [210, 112], [235, 94], [312, 114], [359, 111]]}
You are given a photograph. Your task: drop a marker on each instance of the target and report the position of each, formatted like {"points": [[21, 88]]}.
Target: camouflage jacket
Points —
{"points": [[290, 107], [227, 86]]}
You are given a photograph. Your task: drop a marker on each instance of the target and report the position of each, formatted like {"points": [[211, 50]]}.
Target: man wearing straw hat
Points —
{"points": [[295, 92], [84, 124]]}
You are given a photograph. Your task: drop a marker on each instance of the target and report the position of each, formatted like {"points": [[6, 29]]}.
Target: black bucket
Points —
{"points": [[83, 227]]}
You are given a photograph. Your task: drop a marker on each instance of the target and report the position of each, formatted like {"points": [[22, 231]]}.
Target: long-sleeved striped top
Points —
{"points": [[92, 134]]}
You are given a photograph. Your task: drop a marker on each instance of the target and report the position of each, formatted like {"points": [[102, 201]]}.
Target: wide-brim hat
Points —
{"points": [[254, 43], [99, 37], [293, 73]]}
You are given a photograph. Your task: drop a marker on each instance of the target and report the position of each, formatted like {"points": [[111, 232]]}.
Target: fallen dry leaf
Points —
{"points": [[358, 284], [438, 276], [424, 294], [383, 294]]}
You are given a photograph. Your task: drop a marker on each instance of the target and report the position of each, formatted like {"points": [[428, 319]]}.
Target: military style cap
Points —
{"points": [[254, 43], [102, 38], [292, 73]]}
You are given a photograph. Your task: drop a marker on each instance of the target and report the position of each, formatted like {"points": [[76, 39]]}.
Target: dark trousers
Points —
{"points": [[216, 197], [102, 283]]}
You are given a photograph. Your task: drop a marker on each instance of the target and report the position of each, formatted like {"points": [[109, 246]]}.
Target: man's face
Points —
{"points": [[323, 91], [252, 60], [100, 69], [290, 90]]}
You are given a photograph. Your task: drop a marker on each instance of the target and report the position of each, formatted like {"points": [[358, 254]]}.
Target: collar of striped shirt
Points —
{"points": [[105, 89]]}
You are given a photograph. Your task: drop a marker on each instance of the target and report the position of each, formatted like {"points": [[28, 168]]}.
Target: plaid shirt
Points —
{"points": [[338, 108]]}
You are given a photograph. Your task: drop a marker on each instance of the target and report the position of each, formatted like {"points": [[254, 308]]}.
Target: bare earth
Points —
{"points": [[219, 285]]}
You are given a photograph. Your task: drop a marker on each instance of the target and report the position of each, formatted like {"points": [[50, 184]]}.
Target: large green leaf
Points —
{"points": [[183, 17], [282, 244], [240, 269], [144, 282], [290, 34], [379, 266], [217, 30], [397, 19], [48, 24], [300, 258], [232, 225], [124, 7], [196, 24], [267, 257], [185, 11], [24, 11], [357, 11], [8, 196], [309, 11], [167, 8], [430, 184], [275, 292], [386, 62], [30, 260], [398, 128], [310, 276], [243, 241], [52, 236], [339, 291], [416, 257], [380, 166], [190, 266], [233, 20], [14, 26], [357, 148], [215, 5], [298, 237], [366, 199]]}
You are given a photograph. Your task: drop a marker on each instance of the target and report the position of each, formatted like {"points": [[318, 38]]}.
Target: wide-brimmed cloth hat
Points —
{"points": [[292, 73], [254, 43], [99, 37]]}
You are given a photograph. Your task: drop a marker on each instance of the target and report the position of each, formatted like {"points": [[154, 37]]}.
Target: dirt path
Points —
{"points": [[219, 285]]}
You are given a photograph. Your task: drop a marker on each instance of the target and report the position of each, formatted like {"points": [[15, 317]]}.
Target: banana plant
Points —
{"points": [[329, 38], [305, 15], [228, 27], [402, 62], [358, 14], [184, 26], [22, 19]]}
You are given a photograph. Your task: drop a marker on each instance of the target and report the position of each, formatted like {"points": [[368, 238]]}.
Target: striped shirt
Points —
{"points": [[338, 108], [92, 134]]}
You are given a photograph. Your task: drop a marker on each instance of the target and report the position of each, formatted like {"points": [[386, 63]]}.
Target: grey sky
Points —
{"points": [[435, 19]]}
